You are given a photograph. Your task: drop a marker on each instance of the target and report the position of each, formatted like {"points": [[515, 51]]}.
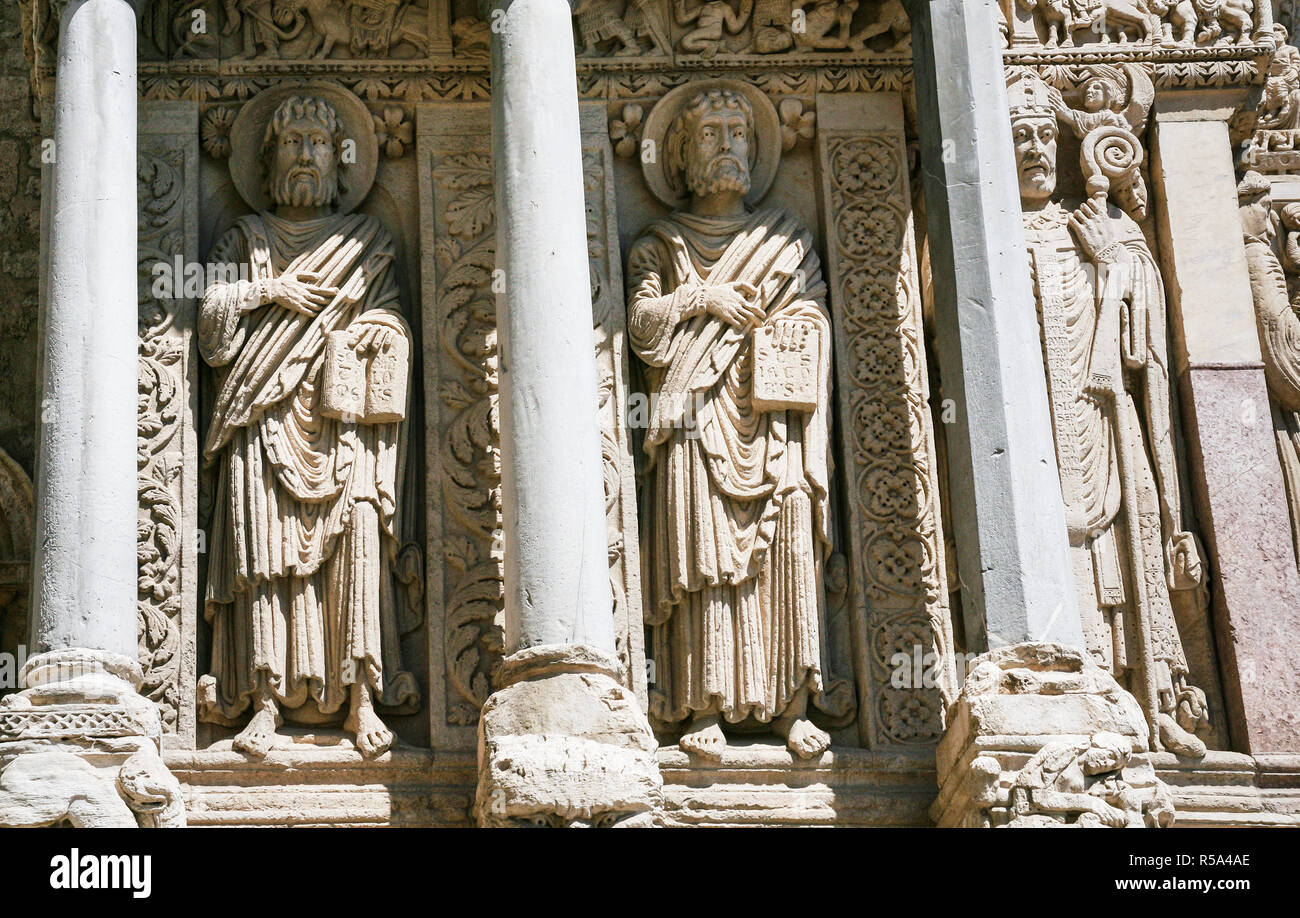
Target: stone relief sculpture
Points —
{"points": [[1272, 243], [601, 23], [306, 433], [710, 22], [998, 770], [1275, 138], [727, 314], [1081, 783], [1102, 311], [1166, 22]]}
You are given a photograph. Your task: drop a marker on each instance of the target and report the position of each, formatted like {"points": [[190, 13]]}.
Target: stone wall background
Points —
{"points": [[20, 219]]}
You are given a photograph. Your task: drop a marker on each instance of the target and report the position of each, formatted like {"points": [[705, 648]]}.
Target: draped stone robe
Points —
{"points": [[1106, 355], [736, 500], [305, 520]]}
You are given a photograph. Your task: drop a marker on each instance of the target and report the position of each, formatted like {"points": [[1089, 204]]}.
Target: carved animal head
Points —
{"points": [[301, 150], [711, 147]]}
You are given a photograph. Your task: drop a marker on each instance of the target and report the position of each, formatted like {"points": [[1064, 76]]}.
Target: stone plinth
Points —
{"points": [[79, 747], [1042, 736], [563, 742]]}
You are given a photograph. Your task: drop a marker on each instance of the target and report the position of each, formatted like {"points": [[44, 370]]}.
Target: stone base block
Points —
{"points": [[79, 747], [303, 785], [1042, 736], [564, 743], [763, 784]]}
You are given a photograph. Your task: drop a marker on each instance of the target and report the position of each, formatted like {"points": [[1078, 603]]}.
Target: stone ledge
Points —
{"points": [[761, 784], [1232, 789], [302, 785], [754, 784]]}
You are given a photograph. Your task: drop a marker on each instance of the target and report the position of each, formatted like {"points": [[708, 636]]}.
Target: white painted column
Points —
{"points": [[85, 568], [552, 485], [562, 740], [78, 743]]}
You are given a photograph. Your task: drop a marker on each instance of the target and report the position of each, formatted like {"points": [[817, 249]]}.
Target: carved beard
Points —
{"points": [[724, 172], [318, 191]]}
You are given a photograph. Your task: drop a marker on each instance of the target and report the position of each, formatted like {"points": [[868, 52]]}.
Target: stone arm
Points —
{"points": [[1050, 800], [685, 16], [653, 312], [227, 300]]}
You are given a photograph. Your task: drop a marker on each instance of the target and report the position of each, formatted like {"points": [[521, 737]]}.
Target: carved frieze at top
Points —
{"points": [[1156, 24], [416, 50]]}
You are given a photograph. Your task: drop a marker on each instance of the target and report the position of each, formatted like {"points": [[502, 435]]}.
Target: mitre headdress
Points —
{"points": [[1030, 97]]}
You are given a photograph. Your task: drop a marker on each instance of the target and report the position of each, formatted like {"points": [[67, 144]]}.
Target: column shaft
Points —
{"points": [[552, 493], [85, 570], [1017, 583]]}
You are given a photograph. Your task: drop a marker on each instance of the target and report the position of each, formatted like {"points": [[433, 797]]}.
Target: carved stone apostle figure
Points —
{"points": [[727, 313], [306, 438], [1101, 307]]}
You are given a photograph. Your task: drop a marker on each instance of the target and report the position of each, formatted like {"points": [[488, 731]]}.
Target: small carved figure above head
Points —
{"points": [[711, 21]]}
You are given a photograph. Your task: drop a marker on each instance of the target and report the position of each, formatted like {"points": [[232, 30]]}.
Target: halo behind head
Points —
{"points": [[248, 134], [765, 149]]}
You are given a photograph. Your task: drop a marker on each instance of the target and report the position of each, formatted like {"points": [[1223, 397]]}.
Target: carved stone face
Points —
{"points": [[717, 153], [304, 168], [1096, 95], [1035, 142], [1255, 213]]}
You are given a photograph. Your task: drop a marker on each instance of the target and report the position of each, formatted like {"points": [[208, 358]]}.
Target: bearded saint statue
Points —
{"points": [[735, 504], [299, 591], [1101, 307]]}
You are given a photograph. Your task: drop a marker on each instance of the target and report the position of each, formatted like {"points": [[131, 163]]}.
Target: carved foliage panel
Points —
{"points": [[168, 542], [460, 379], [896, 579]]}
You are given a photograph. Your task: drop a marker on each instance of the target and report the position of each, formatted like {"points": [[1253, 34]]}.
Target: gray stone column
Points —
{"points": [[78, 743], [563, 740], [1037, 691], [1012, 548], [1236, 476]]}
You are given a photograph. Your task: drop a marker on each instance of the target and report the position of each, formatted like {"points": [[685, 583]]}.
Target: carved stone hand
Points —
{"points": [[372, 339], [1185, 570], [1093, 228], [300, 292], [734, 304]]}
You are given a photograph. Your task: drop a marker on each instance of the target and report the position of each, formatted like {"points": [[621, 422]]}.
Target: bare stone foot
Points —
{"points": [[1179, 741], [257, 737], [802, 738], [373, 738], [704, 738]]}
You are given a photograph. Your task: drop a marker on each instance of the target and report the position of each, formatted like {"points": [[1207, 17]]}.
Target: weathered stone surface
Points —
{"points": [[1042, 736], [564, 743], [517, 458]]}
